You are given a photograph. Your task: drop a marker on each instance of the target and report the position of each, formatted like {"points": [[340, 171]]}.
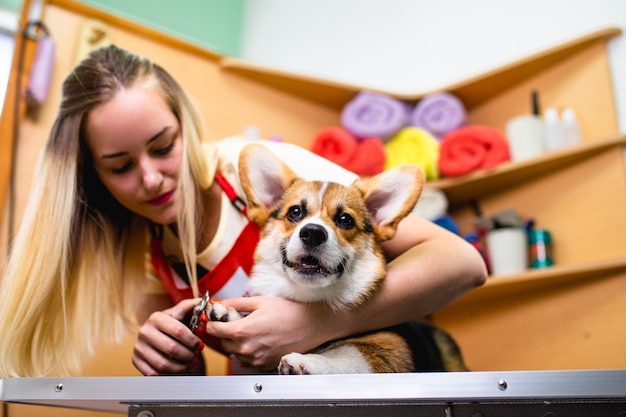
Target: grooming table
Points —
{"points": [[471, 394]]}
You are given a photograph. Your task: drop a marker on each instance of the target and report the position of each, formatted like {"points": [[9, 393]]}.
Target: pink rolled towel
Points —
{"points": [[363, 157], [472, 147], [375, 115], [439, 114]]}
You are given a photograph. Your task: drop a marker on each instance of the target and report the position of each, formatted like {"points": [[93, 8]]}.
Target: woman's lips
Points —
{"points": [[161, 199]]}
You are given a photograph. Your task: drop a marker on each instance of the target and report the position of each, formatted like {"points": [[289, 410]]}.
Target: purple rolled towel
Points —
{"points": [[375, 115], [439, 114]]}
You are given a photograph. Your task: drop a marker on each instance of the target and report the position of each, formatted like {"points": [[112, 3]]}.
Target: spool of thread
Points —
{"points": [[507, 248], [540, 242]]}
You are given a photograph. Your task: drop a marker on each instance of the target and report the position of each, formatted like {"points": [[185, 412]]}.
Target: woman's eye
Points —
{"points": [[344, 221], [295, 213], [165, 150], [122, 169]]}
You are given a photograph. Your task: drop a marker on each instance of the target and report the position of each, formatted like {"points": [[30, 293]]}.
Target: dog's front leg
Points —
{"points": [[216, 311]]}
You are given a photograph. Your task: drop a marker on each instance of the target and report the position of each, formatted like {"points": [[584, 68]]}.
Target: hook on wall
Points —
{"points": [[43, 64], [36, 29]]}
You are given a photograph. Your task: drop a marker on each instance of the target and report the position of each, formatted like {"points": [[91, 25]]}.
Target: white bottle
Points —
{"points": [[571, 128], [553, 130]]}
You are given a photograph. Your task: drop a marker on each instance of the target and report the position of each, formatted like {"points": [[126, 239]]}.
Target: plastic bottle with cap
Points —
{"points": [[553, 130], [571, 128]]}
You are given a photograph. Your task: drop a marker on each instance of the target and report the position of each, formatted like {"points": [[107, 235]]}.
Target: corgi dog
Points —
{"points": [[320, 242]]}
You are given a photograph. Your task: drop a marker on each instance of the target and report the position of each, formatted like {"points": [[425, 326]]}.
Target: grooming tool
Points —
{"points": [[197, 314]]}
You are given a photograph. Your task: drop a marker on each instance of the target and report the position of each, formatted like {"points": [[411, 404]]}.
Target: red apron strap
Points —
{"points": [[239, 256], [231, 193]]}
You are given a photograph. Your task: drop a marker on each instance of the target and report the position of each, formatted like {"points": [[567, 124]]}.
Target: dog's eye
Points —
{"points": [[344, 221], [295, 213]]}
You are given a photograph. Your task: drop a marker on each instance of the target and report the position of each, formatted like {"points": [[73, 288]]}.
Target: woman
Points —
{"points": [[123, 174]]}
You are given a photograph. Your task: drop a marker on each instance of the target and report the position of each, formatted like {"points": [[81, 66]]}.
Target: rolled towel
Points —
{"points": [[439, 114], [369, 158], [374, 115], [472, 147], [363, 157], [334, 144], [416, 146], [447, 222]]}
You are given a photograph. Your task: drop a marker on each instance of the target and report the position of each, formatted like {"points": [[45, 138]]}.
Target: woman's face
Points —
{"points": [[136, 144]]}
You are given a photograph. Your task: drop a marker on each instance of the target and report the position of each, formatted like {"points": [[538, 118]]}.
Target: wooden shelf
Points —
{"points": [[472, 91], [563, 272], [475, 91], [557, 275], [478, 183], [325, 92]]}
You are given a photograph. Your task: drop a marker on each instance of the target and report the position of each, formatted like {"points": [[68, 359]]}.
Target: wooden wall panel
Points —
{"points": [[582, 82], [575, 325], [582, 205]]}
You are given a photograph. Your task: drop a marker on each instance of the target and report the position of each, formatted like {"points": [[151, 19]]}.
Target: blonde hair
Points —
{"points": [[76, 267]]}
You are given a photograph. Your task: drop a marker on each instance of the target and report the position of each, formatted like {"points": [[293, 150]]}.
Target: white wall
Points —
{"points": [[416, 46]]}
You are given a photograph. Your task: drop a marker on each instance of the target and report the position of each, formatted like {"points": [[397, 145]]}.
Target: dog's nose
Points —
{"points": [[313, 235]]}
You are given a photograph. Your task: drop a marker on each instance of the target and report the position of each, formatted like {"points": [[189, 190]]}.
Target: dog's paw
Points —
{"points": [[309, 364], [293, 364], [215, 311]]}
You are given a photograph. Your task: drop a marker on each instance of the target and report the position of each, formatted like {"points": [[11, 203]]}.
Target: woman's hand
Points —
{"points": [[273, 328], [166, 346]]}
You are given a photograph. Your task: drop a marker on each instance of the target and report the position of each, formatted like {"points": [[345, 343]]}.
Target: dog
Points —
{"points": [[320, 242]]}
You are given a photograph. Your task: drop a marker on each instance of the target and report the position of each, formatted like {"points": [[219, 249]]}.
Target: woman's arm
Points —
{"points": [[429, 268]]}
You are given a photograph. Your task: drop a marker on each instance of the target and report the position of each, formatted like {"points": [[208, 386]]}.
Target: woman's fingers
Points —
{"points": [[164, 344]]}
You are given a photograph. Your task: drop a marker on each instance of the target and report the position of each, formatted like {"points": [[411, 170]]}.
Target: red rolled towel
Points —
{"points": [[363, 157], [334, 144], [472, 147], [369, 158]]}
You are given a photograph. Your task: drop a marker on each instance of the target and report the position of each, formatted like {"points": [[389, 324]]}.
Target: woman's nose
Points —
{"points": [[151, 175]]}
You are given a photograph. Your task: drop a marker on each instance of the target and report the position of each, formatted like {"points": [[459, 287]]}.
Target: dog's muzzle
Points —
{"points": [[312, 237]]}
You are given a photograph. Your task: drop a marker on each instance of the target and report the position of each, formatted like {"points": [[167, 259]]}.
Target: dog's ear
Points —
{"points": [[390, 196], [264, 179]]}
